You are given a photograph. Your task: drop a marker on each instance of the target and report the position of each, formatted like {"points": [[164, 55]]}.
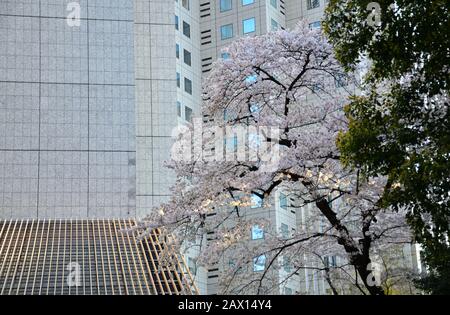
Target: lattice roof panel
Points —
{"points": [[88, 257]]}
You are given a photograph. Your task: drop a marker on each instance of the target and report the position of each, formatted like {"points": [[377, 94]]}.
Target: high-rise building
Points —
{"points": [[86, 107]]}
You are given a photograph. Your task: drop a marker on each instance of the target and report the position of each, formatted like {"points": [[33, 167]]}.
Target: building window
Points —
{"points": [[188, 114], [314, 25], [330, 261], [177, 48], [247, 2], [254, 141], [287, 264], [192, 266], [226, 31], [317, 87], [231, 144], [186, 4], [274, 24], [225, 115], [256, 201], [249, 25], [177, 23], [259, 263], [232, 264], [284, 230], [312, 4], [186, 29], [254, 108], [178, 80], [340, 80], [283, 201], [187, 57], [257, 232], [273, 3], [188, 86], [251, 79], [225, 5], [178, 109]]}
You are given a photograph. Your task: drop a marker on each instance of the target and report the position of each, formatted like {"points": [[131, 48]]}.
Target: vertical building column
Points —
{"points": [[155, 86]]}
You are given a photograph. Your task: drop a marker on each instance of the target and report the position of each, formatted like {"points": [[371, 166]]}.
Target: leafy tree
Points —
{"points": [[400, 126]]}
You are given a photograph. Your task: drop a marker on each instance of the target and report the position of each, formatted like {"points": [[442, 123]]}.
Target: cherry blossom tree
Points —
{"points": [[279, 88]]}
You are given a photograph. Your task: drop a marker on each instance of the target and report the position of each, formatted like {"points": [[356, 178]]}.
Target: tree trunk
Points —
{"points": [[365, 276], [330, 283], [357, 257]]}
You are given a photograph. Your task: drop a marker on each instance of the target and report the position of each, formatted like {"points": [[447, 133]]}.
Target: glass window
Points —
{"points": [[287, 264], [225, 5], [188, 114], [188, 86], [186, 4], [231, 144], [249, 25], [333, 261], [251, 79], [284, 230], [283, 201], [312, 4], [259, 263], [177, 24], [192, 266], [187, 57], [274, 24], [340, 80], [225, 115], [257, 232], [177, 47], [254, 108], [186, 29], [330, 261], [317, 87], [273, 3], [247, 2], [314, 25], [226, 31], [232, 264], [254, 141], [178, 109], [257, 201], [178, 80]]}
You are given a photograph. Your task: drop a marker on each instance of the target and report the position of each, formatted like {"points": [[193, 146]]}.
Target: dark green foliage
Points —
{"points": [[401, 126]]}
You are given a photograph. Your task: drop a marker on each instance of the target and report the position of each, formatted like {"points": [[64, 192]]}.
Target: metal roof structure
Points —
{"points": [[88, 257]]}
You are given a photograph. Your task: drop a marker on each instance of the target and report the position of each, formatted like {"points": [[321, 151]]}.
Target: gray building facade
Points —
{"points": [[86, 110]]}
